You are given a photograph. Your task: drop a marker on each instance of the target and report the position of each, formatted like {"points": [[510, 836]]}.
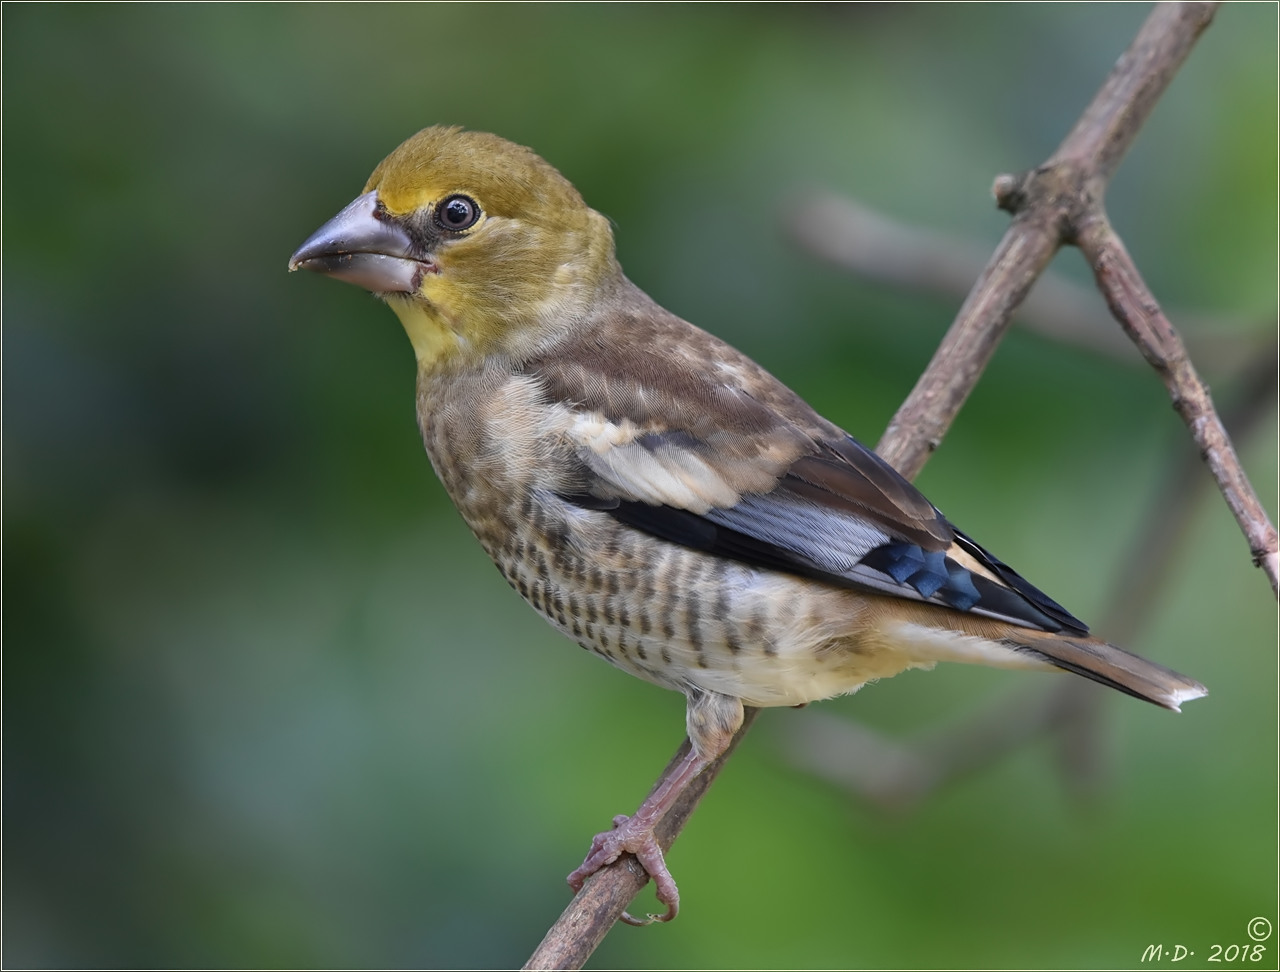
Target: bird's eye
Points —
{"points": [[458, 213]]}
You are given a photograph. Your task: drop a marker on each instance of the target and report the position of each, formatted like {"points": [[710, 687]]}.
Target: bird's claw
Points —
{"points": [[631, 837]]}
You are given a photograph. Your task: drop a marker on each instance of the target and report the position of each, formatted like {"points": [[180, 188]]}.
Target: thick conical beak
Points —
{"points": [[364, 247]]}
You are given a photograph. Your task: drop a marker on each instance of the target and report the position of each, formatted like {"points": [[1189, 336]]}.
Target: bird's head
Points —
{"points": [[476, 243]]}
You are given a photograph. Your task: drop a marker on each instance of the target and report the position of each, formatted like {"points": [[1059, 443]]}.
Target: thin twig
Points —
{"points": [[1138, 312], [1043, 203], [598, 906], [1107, 128], [1145, 570], [917, 428]]}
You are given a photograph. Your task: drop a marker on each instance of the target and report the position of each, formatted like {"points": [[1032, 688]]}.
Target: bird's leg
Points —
{"points": [[634, 834], [712, 720]]}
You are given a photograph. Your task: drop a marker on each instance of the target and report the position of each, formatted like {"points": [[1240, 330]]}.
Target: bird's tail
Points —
{"points": [[1112, 666]]}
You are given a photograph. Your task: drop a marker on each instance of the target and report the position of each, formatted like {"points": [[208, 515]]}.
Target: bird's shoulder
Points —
{"points": [[665, 413], [637, 361]]}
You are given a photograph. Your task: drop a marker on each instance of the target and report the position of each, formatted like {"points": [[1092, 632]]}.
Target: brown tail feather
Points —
{"points": [[1115, 667]]}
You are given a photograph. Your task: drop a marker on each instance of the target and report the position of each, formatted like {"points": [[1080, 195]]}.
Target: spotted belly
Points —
{"points": [[683, 619]]}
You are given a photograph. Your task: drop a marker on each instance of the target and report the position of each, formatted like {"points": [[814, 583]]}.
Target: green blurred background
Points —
{"points": [[266, 701]]}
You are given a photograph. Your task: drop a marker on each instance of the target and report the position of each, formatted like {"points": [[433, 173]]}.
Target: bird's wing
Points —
{"points": [[701, 447]]}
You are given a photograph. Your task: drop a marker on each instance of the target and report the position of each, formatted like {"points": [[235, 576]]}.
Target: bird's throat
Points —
{"points": [[433, 340]]}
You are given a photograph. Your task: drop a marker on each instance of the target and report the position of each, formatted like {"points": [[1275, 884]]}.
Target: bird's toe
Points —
{"points": [[631, 836]]}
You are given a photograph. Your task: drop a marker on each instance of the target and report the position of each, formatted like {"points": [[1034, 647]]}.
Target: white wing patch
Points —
{"points": [[651, 472], [662, 476]]}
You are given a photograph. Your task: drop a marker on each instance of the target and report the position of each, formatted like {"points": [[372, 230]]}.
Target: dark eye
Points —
{"points": [[458, 213]]}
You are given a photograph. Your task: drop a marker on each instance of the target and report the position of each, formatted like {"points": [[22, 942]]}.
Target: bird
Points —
{"points": [[655, 494]]}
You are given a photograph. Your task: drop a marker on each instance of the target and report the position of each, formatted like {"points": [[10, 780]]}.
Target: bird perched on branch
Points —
{"points": [[656, 495]]}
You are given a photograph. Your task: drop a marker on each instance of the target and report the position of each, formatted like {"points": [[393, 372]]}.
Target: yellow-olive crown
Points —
{"points": [[507, 179]]}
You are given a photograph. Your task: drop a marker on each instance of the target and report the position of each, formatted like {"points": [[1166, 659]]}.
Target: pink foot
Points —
{"points": [[630, 835]]}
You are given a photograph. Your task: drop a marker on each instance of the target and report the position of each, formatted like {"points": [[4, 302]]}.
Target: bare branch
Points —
{"points": [[1061, 201], [880, 248], [598, 906], [917, 428], [1138, 312], [924, 261], [1107, 128], [1043, 203]]}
